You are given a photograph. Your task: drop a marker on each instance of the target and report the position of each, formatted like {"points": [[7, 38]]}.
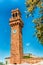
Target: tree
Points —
{"points": [[1, 63], [31, 5]]}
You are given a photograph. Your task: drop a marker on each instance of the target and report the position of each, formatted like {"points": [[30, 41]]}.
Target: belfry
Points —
{"points": [[16, 55], [16, 37]]}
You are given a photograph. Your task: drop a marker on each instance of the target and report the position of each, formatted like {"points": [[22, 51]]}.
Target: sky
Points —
{"points": [[30, 43]]}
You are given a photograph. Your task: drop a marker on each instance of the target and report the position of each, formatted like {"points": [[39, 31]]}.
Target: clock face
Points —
{"points": [[14, 31]]}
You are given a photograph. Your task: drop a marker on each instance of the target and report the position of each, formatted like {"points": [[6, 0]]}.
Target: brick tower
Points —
{"points": [[16, 37]]}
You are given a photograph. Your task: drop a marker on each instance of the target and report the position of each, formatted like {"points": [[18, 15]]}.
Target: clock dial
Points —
{"points": [[14, 31]]}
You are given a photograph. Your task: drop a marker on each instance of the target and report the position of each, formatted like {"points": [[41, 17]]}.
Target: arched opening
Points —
{"points": [[15, 63], [14, 15]]}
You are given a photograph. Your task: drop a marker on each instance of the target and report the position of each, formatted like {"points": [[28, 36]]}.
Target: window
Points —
{"points": [[15, 15], [15, 63], [6, 62]]}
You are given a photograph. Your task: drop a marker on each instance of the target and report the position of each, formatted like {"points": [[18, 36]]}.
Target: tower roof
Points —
{"points": [[16, 11]]}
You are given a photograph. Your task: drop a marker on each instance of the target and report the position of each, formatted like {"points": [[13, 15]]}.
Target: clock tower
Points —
{"points": [[16, 37]]}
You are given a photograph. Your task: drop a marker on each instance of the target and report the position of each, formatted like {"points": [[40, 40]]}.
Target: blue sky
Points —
{"points": [[30, 43]]}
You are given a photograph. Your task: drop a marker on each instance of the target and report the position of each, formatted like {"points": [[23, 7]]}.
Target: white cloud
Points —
{"points": [[27, 44]]}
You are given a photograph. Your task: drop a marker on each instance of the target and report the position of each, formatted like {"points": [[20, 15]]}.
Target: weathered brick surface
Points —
{"points": [[16, 38], [32, 60]]}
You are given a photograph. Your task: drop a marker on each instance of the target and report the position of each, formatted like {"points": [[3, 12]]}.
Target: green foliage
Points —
{"points": [[39, 29], [1, 63], [26, 57], [31, 5]]}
